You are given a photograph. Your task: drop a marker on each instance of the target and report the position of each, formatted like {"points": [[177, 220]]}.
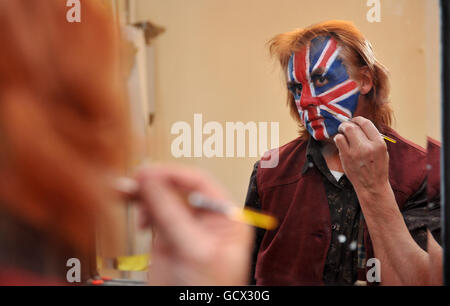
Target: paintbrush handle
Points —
{"points": [[388, 138], [129, 187], [250, 217]]}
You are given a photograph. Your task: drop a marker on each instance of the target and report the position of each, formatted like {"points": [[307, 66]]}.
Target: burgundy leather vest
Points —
{"points": [[295, 253]]}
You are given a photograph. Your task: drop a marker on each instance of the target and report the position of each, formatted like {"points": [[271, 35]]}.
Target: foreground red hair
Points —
{"points": [[63, 120]]}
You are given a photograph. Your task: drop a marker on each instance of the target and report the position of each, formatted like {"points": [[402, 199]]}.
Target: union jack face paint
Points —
{"points": [[322, 89]]}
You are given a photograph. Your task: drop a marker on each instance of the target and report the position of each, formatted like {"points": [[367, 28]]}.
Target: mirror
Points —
{"points": [[219, 103]]}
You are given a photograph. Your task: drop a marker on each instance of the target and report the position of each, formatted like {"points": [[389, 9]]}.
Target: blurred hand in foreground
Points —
{"points": [[191, 246]]}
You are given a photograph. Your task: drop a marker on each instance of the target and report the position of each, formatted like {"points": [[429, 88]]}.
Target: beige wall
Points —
{"points": [[212, 60]]}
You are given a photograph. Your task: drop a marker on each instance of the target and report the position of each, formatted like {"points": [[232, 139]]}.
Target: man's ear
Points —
{"points": [[366, 81]]}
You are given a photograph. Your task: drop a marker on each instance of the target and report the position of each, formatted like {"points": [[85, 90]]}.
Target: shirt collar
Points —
{"points": [[313, 154], [314, 158]]}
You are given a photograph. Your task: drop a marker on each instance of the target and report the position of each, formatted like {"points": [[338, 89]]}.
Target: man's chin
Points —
{"points": [[323, 138]]}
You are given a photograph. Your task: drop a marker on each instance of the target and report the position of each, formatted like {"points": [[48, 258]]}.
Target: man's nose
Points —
{"points": [[309, 101]]}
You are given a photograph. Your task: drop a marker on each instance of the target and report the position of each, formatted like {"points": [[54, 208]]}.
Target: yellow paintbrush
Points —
{"points": [[195, 199], [245, 215], [345, 119]]}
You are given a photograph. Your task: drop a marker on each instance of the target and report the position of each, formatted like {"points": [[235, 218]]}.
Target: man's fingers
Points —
{"points": [[341, 143], [164, 192], [355, 136], [184, 178], [368, 128], [167, 210]]}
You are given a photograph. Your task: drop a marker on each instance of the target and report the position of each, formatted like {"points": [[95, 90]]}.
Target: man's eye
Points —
{"points": [[296, 89], [320, 81]]}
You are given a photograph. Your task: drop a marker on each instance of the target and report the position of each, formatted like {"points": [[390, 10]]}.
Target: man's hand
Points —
{"points": [[364, 156], [192, 246], [365, 160]]}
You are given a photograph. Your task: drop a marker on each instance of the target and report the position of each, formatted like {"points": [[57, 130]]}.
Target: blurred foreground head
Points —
{"points": [[63, 123]]}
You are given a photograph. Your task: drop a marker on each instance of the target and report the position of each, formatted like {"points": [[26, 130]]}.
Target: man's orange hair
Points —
{"points": [[356, 52]]}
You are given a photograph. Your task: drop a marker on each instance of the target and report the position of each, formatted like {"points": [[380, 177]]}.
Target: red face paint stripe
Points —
{"points": [[312, 113], [328, 53], [300, 71], [337, 110], [338, 92]]}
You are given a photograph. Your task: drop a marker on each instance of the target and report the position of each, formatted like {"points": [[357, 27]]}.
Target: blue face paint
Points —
{"points": [[322, 88]]}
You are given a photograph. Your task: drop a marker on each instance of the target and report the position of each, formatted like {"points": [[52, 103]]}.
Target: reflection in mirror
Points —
{"points": [[343, 198], [342, 215]]}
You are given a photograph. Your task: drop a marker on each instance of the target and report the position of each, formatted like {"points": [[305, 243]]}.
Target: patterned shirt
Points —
{"points": [[346, 255]]}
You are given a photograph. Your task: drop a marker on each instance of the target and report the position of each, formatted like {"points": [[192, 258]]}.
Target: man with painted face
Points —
{"points": [[340, 191]]}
